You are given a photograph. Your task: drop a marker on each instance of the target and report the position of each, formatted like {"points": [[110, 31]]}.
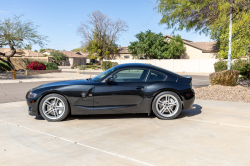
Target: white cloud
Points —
{"points": [[1, 11], [70, 25]]}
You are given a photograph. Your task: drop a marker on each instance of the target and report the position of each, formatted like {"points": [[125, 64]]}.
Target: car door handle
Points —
{"points": [[139, 87]]}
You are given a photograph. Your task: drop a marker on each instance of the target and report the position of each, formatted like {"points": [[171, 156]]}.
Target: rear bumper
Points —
{"points": [[188, 104]]}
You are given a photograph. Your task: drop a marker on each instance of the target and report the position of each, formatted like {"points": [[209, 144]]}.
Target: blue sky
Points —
{"points": [[59, 19]]}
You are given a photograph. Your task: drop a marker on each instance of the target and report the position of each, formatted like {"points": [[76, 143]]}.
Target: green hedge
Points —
{"points": [[90, 66], [220, 65], [51, 66], [107, 65], [4, 66], [243, 66]]}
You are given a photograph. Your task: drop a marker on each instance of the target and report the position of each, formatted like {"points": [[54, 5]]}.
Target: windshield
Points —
{"points": [[104, 74]]}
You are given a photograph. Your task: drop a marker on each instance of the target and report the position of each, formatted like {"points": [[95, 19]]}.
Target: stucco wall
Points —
{"points": [[178, 65], [120, 56]]}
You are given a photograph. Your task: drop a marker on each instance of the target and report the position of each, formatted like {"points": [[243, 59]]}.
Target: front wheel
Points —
{"points": [[167, 105], [54, 107]]}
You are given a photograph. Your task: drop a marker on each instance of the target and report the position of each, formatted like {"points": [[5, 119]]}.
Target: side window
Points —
{"points": [[155, 76], [130, 75]]}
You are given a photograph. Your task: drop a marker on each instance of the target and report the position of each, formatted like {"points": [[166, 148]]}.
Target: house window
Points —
{"points": [[126, 56]]}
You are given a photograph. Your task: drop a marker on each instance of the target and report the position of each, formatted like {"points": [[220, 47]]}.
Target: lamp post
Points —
{"points": [[230, 38]]}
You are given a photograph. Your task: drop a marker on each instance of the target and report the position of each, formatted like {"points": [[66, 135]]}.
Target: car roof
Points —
{"points": [[148, 66], [143, 65]]}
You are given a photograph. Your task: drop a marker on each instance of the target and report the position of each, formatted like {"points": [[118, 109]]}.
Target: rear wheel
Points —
{"points": [[54, 107], [167, 105]]}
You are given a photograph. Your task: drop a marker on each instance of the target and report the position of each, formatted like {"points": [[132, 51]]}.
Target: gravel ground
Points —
{"points": [[239, 93]]}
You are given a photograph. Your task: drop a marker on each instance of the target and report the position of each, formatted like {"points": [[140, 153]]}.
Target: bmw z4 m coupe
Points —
{"points": [[125, 88]]}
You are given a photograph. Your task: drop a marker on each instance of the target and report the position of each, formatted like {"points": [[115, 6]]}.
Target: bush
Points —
{"points": [[35, 65], [243, 66], [74, 65], [107, 65], [90, 66], [4, 66], [220, 65], [51, 66], [226, 77]]}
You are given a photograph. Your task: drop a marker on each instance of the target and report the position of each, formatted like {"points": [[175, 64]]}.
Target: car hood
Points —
{"points": [[63, 83]]}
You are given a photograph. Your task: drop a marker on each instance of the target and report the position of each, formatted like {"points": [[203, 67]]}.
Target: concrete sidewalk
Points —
{"points": [[215, 133]]}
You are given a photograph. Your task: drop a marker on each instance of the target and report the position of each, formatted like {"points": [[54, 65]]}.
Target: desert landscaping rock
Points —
{"points": [[237, 93]]}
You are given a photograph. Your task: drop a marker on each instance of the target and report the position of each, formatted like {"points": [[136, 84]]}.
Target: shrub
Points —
{"points": [[220, 65], [108, 64], [51, 66], [90, 66], [226, 77], [4, 66], [243, 66], [35, 65]]}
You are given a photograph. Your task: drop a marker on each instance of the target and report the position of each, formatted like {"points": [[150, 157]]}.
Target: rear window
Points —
{"points": [[155, 76]]}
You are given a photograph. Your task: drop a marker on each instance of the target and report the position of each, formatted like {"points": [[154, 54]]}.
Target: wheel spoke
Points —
{"points": [[48, 103], [172, 104], [48, 111], [55, 101], [55, 112], [160, 102], [163, 109], [170, 110]]}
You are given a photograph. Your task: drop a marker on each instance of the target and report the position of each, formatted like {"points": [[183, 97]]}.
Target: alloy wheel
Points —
{"points": [[53, 108], [167, 105]]}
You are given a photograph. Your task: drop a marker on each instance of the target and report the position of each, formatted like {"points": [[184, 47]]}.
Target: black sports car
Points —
{"points": [[125, 88]]}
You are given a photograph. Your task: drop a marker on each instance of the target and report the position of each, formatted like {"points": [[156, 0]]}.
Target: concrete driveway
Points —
{"points": [[215, 133]]}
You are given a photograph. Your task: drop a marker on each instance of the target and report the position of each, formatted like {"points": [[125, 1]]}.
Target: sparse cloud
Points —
{"points": [[70, 25], [1, 11]]}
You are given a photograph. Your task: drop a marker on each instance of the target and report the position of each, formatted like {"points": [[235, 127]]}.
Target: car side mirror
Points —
{"points": [[110, 79]]}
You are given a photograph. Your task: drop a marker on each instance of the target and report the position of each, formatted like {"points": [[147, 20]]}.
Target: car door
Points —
{"points": [[127, 90]]}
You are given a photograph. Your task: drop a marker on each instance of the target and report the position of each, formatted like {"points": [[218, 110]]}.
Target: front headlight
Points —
{"points": [[31, 95]]}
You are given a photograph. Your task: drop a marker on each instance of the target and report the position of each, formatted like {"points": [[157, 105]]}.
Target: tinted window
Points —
{"points": [[155, 76], [130, 75], [104, 74]]}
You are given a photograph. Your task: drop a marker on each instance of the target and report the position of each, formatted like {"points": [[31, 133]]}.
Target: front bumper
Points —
{"points": [[32, 106]]}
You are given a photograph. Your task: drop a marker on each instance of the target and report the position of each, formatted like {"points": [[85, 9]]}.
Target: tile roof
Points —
{"points": [[24, 52], [204, 46], [121, 50], [71, 54]]}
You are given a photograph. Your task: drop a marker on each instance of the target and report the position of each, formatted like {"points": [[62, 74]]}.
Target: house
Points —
{"points": [[198, 50], [73, 57], [22, 53], [194, 50], [121, 54]]}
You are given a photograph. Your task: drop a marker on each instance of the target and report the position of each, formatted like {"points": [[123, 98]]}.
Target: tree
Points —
{"points": [[15, 33], [155, 46], [100, 34], [41, 50], [28, 47], [58, 57], [210, 17], [76, 49], [35, 51], [176, 47]]}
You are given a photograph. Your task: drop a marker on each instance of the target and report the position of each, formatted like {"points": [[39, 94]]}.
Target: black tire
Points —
{"points": [[62, 99], [169, 116]]}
